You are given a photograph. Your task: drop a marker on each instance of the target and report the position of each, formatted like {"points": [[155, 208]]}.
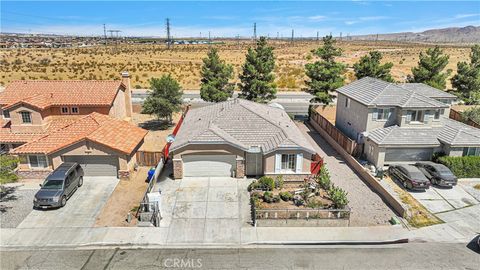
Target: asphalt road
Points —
{"points": [[400, 256]]}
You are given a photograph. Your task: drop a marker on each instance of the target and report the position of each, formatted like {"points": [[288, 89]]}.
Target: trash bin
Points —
{"points": [[151, 173]]}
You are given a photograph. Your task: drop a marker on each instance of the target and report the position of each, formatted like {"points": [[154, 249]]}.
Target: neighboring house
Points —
{"points": [[402, 122], [50, 122], [33, 108], [102, 145], [240, 138]]}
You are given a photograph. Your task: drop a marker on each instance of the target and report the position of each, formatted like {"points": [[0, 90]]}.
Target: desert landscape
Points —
{"points": [[184, 62]]}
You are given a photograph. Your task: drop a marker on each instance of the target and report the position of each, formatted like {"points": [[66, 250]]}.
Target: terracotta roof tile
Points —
{"points": [[42, 94], [116, 134]]}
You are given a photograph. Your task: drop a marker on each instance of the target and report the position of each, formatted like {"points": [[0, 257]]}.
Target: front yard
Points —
{"points": [[157, 130]]}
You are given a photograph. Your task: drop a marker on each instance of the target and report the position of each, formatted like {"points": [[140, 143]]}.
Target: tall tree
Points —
{"points": [[257, 79], [325, 75], [430, 67], [369, 66], [165, 98], [215, 76], [467, 79]]}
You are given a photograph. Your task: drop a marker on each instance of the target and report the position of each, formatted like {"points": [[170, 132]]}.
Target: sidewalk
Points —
{"points": [[156, 237]]}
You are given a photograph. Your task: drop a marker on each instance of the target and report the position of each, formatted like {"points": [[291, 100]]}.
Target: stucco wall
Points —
{"points": [[375, 123], [17, 125], [82, 110], [269, 161], [207, 149], [118, 109], [353, 120], [453, 151]]}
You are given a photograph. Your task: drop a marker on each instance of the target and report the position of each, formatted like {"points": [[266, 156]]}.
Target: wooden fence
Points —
{"points": [[147, 158], [345, 142], [456, 115]]}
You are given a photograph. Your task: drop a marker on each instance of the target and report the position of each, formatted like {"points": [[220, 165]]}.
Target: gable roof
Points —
{"points": [[242, 124], [375, 92], [427, 90], [116, 134], [43, 94], [452, 133]]}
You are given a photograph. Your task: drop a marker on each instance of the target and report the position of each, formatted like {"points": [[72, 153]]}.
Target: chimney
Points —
{"points": [[128, 93]]}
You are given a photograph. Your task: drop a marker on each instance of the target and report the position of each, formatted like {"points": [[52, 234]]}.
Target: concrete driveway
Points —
{"points": [[438, 199], [209, 210], [81, 210]]}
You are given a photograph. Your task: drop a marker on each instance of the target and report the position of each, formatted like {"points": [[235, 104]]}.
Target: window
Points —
{"points": [[37, 161], [471, 151], [383, 114], [438, 113], [74, 110], [6, 114], [26, 117], [64, 110], [288, 162], [370, 150], [415, 116], [347, 102]]}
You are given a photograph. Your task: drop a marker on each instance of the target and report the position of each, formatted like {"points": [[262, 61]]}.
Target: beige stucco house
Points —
{"points": [[240, 138], [402, 122], [46, 123]]}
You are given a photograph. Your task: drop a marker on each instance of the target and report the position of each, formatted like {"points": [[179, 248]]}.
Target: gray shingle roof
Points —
{"points": [[452, 133], [371, 91], [243, 124], [426, 90]]}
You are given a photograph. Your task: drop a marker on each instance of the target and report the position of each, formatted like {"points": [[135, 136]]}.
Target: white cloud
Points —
{"points": [[317, 18], [373, 18], [461, 16]]}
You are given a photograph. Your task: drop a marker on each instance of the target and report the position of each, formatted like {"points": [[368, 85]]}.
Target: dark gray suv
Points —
{"points": [[59, 186]]}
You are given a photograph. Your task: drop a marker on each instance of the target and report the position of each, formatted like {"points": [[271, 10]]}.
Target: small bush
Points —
{"points": [[279, 182], [338, 197], [7, 167], [462, 167], [266, 183], [313, 203], [268, 197], [323, 178], [286, 196]]}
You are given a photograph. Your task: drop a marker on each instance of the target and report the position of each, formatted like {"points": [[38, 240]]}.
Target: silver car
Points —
{"points": [[59, 186]]}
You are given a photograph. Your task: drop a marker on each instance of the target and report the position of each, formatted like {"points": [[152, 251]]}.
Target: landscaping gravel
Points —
{"points": [[15, 204], [368, 208]]}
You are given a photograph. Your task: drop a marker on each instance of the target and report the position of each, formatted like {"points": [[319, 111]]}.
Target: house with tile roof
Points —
{"points": [[402, 122], [240, 138], [50, 122]]}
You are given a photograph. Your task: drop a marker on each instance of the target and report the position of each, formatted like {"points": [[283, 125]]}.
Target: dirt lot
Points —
{"points": [[184, 61], [126, 196], [157, 131]]}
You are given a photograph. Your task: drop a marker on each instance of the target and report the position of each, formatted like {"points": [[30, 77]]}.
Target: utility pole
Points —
{"points": [[168, 33], [318, 37], [238, 41], [104, 35], [209, 39], [340, 36], [277, 35], [293, 34], [255, 31]]}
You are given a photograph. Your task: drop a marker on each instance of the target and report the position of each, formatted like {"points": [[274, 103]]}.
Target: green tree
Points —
{"points": [[257, 79], [7, 166], [467, 79], [215, 76], [369, 66], [429, 69], [325, 75], [165, 98]]}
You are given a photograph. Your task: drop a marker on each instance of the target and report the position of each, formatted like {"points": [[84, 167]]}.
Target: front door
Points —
{"points": [[254, 164]]}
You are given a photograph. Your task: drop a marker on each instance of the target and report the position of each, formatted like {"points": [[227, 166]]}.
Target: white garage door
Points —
{"points": [[208, 165], [408, 154], [96, 165]]}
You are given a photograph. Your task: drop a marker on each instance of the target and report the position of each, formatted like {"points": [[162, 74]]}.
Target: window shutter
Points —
{"points": [[374, 114], [278, 163], [299, 165], [390, 113]]}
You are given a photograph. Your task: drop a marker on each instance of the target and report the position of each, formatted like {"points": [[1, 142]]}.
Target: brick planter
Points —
{"points": [[32, 174]]}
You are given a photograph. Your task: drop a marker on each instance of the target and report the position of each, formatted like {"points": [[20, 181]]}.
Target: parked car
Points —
{"points": [[410, 176], [59, 186], [438, 174]]}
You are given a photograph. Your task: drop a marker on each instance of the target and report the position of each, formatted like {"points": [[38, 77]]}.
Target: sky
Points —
{"points": [[232, 18]]}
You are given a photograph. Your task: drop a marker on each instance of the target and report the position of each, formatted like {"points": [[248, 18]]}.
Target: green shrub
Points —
{"points": [[338, 197], [279, 182], [314, 203], [462, 167], [7, 167], [286, 196], [323, 178], [266, 183], [268, 197]]}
